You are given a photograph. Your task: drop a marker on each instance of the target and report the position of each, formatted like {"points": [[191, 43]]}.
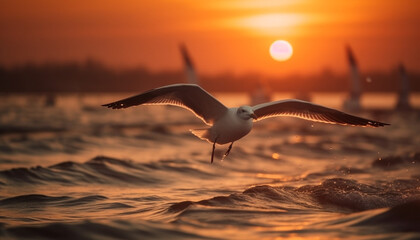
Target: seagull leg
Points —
{"points": [[228, 151]]}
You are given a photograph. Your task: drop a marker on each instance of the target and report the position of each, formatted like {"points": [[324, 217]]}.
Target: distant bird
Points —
{"points": [[352, 103], [403, 103], [189, 68], [230, 124]]}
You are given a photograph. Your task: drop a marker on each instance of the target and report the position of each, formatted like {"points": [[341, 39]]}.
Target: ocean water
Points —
{"points": [[76, 170]]}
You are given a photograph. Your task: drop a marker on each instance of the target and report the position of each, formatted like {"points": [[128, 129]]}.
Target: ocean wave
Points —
{"points": [[351, 195], [25, 144], [97, 170], [340, 171], [39, 201], [30, 129], [402, 217], [34, 175], [396, 161], [336, 194], [83, 200], [103, 170], [100, 230], [32, 199]]}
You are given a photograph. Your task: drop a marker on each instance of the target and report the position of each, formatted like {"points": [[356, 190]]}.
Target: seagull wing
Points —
{"points": [[189, 96], [310, 111]]}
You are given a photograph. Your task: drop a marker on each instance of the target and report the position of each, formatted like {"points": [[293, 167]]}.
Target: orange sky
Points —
{"points": [[221, 35]]}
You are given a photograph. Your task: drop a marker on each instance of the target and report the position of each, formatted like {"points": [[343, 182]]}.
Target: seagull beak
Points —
{"points": [[252, 115]]}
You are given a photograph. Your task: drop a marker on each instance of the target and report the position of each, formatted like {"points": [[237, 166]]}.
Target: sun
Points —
{"points": [[281, 50]]}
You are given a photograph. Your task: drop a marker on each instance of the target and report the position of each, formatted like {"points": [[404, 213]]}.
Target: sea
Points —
{"points": [[72, 169]]}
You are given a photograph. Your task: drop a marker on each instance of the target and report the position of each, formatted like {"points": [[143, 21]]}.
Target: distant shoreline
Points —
{"points": [[93, 76]]}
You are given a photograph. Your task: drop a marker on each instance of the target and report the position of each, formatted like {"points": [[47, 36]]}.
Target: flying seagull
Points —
{"points": [[230, 124]]}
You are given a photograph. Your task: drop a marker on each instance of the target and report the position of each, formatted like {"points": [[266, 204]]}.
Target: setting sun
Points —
{"points": [[281, 50]]}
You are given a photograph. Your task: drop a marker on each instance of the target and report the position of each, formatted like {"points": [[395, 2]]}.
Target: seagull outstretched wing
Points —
{"points": [[310, 111], [189, 96]]}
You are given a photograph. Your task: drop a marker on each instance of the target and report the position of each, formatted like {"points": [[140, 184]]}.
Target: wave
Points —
{"points": [[336, 194], [351, 195], [101, 230], [37, 202], [393, 162], [30, 129], [403, 217], [97, 170], [25, 144], [33, 199], [102, 170]]}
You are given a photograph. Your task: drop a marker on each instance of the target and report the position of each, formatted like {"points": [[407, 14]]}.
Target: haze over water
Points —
{"points": [[81, 171]]}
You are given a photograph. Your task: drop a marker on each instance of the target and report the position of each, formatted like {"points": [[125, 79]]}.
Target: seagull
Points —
{"points": [[227, 125]]}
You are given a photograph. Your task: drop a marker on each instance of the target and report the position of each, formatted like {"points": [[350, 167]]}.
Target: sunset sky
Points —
{"points": [[221, 35]]}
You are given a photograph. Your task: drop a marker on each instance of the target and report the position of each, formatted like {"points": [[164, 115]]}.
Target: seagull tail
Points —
{"points": [[203, 133]]}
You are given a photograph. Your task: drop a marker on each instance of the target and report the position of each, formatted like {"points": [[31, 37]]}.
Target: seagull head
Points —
{"points": [[246, 113]]}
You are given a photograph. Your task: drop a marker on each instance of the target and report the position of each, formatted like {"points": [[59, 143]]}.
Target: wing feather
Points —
{"points": [[310, 111], [189, 96]]}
